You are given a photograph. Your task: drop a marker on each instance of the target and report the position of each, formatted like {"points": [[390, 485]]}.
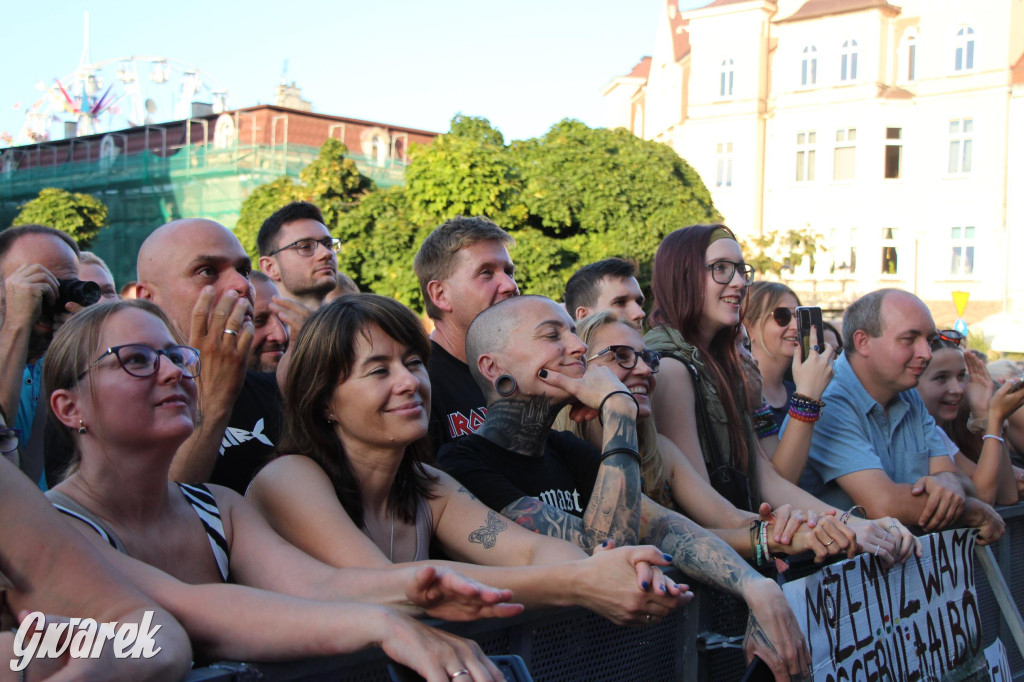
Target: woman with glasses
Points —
{"points": [[672, 481], [770, 319], [970, 416], [123, 390], [700, 281], [360, 493]]}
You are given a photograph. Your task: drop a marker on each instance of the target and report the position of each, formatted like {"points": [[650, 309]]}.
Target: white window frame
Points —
{"points": [[890, 240], [963, 49], [809, 67], [726, 78], [908, 57], [848, 61], [962, 250], [723, 165], [961, 146], [806, 156], [891, 142], [846, 138]]}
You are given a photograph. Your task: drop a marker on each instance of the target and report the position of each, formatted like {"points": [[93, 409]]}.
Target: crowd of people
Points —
{"points": [[235, 446]]}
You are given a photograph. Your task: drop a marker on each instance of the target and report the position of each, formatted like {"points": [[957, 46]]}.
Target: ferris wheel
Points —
{"points": [[117, 93]]}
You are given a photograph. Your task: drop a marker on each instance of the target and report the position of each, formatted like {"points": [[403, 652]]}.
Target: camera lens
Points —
{"points": [[78, 291]]}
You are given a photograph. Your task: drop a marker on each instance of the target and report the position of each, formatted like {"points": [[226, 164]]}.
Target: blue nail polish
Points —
{"points": [[664, 589], [668, 557], [645, 585], [543, 374], [604, 544]]}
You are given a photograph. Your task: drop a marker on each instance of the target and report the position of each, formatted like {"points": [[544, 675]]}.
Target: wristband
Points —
{"points": [[600, 408], [621, 451], [764, 541], [764, 421], [993, 437], [804, 408]]}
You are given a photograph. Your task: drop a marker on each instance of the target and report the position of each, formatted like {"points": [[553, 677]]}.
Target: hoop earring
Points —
{"points": [[81, 428], [505, 385]]}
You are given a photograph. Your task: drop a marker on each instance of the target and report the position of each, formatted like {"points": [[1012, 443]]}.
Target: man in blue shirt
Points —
{"points": [[875, 445]]}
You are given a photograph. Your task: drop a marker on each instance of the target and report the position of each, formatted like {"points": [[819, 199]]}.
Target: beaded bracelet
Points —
{"points": [[993, 437], [804, 408], [600, 407], [764, 542], [764, 421], [755, 546]]}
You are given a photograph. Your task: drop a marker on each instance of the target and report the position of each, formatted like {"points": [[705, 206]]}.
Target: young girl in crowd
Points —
{"points": [[969, 414], [700, 281], [359, 492], [123, 389], [770, 320]]}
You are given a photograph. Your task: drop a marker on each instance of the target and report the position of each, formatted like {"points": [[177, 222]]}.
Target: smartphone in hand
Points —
{"points": [[810, 329]]}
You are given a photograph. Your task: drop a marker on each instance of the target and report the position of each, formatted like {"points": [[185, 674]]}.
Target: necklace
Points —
{"points": [[391, 550]]}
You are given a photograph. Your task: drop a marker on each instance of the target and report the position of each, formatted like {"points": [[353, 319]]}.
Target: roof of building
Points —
{"points": [[1017, 72], [641, 70], [720, 3], [821, 8], [680, 36]]}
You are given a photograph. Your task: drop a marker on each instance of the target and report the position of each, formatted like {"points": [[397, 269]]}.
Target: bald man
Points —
{"points": [[198, 272], [875, 445]]}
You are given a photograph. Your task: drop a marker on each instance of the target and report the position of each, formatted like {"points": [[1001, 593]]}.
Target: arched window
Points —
{"points": [[908, 58], [725, 77], [809, 66], [963, 59], [848, 61]]}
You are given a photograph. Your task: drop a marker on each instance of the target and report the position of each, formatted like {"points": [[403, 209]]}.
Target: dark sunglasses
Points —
{"points": [[782, 316], [950, 336], [626, 357]]}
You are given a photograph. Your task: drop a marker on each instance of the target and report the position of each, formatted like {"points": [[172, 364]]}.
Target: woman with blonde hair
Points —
{"points": [[769, 316], [123, 391]]}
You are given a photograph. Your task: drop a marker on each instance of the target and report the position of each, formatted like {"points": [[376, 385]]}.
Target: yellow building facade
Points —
{"points": [[896, 132]]}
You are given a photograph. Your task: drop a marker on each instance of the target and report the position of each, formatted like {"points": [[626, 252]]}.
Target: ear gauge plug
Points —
{"points": [[543, 374]]}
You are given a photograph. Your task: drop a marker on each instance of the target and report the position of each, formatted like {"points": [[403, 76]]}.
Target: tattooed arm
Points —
{"points": [[772, 630], [522, 425]]}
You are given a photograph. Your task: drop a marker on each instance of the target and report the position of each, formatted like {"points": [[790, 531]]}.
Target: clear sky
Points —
{"points": [[524, 64]]}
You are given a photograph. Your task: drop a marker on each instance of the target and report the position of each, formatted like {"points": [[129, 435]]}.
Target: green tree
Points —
{"points": [[263, 201], [80, 215], [772, 253], [575, 195], [332, 182]]}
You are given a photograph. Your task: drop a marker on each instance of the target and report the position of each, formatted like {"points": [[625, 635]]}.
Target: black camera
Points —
{"points": [[73, 291]]}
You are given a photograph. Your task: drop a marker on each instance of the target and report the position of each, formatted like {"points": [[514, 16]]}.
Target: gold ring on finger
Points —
{"points": [[829, 542]]}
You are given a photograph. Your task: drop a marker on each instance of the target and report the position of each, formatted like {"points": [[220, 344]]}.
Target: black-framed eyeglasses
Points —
{"points": [[783, 316], [626, 357], [950, 336], [722, 271], [140, 360], [9, 439], [307, 247]]}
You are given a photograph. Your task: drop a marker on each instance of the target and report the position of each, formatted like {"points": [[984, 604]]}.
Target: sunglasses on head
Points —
{"points": [[783, 316], [951, 336]]}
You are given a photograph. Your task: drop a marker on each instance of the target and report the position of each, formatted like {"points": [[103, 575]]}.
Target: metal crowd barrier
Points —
{"points": [[575, 645]]}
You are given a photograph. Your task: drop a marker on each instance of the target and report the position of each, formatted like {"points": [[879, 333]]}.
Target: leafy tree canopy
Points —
{"points": [[573, 196], [332, 182], [80, 215]]}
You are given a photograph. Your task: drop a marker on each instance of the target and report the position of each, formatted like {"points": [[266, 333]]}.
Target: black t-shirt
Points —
{"points": [[564, 476], [779, 413], [457, 405], [252, 433]]}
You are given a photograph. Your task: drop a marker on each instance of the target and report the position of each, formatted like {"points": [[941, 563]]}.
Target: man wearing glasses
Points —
{"points": [[298, 253], [875, 444]]}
